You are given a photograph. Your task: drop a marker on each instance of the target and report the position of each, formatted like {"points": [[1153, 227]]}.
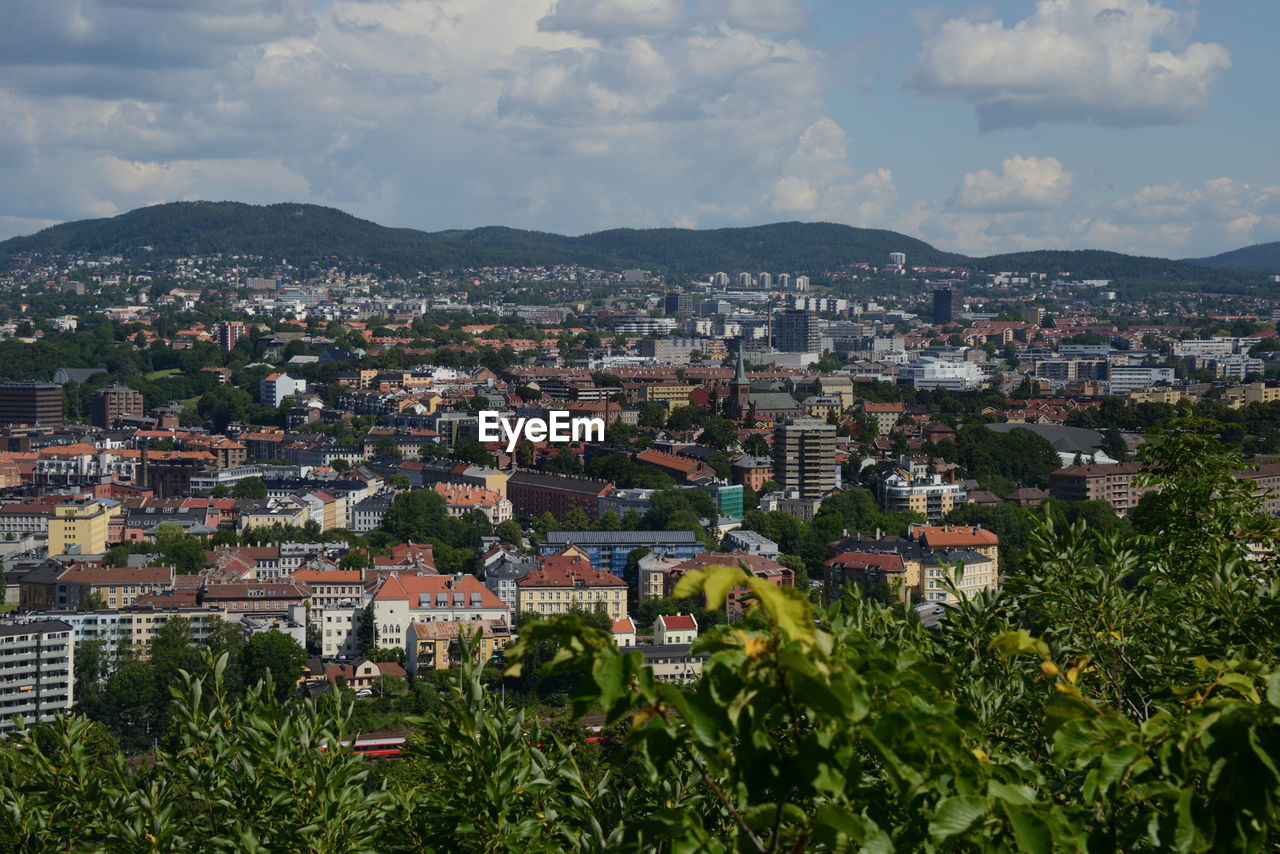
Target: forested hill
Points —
{"points": [[298, 232], [304, 232], [1260, 256]]}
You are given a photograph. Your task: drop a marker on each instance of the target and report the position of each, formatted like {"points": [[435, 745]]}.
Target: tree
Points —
{"points": [[1114, 445], [385, 448], [509, 532], [249, 487], [652, 415], [471, 451], [366, 630], [131, 703], [276, 655]]}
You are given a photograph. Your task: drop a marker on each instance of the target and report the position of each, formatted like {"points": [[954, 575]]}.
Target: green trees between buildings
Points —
{"points": [[1122, 694]]}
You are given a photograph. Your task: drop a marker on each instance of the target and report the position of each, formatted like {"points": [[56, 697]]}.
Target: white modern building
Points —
{"points": [[929, 372], [274, 388]]}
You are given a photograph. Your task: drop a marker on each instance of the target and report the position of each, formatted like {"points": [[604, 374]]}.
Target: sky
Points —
{"points": [[1142, 126]]}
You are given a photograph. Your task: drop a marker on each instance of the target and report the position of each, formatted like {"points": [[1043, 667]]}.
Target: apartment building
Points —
{"points": [[460, 499], [79, 527], [439, 646], [404, 598], [37, 671], [804, 457], [116, 401], [1114, 484], [908, 486], [608, 550], [533, 494], [561, 583]]}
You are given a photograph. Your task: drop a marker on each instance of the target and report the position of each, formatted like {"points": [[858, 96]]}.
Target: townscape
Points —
{"points": [[216, 446], [289, 467]]}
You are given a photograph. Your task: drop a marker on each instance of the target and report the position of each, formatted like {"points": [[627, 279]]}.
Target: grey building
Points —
{"points": [[36, 671]]}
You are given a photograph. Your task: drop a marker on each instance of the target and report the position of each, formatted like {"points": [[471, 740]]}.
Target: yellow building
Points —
{"points": [[562, 583], [81, 523], [1170, 396], [439, 645], [673, 395], [1243, 395], [842, 387]]}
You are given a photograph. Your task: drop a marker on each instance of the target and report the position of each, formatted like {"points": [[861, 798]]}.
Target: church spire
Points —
{"points": [[740, 375]]}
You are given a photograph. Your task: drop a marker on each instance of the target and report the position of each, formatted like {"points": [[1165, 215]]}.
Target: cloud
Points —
{"points": [[818, 183], [1168, 220], [1023, 183], [607, 18], [553, 114], [1109, 62], [1221, 212]]}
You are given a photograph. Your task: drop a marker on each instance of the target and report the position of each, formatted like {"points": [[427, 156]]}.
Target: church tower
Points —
{"points": [[741, 389]]}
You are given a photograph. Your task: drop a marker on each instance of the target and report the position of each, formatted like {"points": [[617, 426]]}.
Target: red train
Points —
{"points": [[391, 742]]}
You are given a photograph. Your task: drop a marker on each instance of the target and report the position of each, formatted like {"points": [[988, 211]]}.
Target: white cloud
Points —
{"points": [[1222, 212], [1023, 183], [553, 114], [818, 183], [605, 18], [1111, 62]]}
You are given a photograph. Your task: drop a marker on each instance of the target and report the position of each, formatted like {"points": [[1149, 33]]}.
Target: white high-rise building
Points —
{"points": [[720, 280], [802, 283], [784, 281], [37, 660], [765, 281], [745, 280], [898, 259]]}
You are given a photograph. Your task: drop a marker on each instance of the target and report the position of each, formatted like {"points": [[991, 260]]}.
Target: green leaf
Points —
{"points": [[1010, 793], [955, 815], [1273, 688], [1032, 833]]}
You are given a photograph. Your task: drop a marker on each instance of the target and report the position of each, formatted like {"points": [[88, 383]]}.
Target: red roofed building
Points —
{"points": [[658, 576], [671, 629], [460, 499], [402, 598], [868, 571]]}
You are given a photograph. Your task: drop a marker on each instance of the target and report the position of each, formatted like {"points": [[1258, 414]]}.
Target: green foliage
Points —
{"points": [[1001, 461], [1121, 693], [249, 487], [275, 657], [240, 775]]}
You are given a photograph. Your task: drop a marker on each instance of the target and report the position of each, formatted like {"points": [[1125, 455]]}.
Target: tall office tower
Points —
{"points": [[678, 303], [31, 403], [898, 259], [946, 305], [765, 281], [784, 281], [804, 456], [720, 280], [797, 331], [113, 402], [746, 281], [802, 283], [229, 332]]}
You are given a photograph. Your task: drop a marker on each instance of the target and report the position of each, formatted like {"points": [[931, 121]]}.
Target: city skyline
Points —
{"points": [[1114, 124]]}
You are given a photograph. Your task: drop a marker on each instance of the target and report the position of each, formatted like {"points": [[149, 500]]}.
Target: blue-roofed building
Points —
{"points": [[608, 550]]}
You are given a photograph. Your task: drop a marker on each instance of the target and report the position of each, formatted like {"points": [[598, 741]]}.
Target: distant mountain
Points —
{"points": [[1263, 257], [1097, 264], [300, 232]]}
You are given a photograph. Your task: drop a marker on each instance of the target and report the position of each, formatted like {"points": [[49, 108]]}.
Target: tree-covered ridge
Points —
{"points": [[302, 232], [1118, 694], [1260, 256]]}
